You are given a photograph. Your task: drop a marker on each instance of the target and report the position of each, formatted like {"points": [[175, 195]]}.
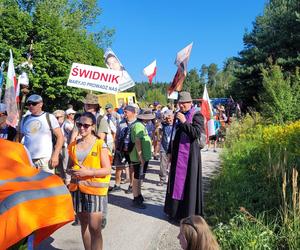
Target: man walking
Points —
{"points": [[37, 129]]}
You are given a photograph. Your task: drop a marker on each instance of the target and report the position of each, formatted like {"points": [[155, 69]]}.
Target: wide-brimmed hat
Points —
{"points": [[146, 114], [185, 97], [91, 99]]}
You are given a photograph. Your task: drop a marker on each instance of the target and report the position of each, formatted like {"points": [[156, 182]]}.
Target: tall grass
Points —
{"points": [[255, 160]]}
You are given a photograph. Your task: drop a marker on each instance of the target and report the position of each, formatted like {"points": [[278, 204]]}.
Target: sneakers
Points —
{"points": [[129, 190], [115, 188]]}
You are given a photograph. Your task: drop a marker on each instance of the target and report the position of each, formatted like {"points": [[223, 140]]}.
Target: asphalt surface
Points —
{"points": [[129, 228]]}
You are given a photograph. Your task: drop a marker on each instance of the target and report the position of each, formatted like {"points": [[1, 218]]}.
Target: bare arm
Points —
{"points": [[57, 148]]}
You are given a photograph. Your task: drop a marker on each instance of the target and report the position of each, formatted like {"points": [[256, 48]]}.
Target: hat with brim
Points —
{"points": [[146, 114], [91, 99], [185, 97]]}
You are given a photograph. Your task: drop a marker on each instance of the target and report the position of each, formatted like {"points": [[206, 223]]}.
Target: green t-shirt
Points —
{"points": [[138, 130]]}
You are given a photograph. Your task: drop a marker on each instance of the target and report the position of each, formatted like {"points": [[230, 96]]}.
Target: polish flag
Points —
{"points": [[181, 61], [207, 112], [10, 96], [150, 71]]}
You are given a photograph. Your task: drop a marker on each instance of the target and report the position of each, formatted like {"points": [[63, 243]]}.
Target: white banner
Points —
{"points": [[94, 78]]}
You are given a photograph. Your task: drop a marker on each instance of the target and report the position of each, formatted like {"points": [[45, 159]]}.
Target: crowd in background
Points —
{"points": [[125, 137]]}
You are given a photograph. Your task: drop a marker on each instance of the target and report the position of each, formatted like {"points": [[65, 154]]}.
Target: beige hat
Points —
{"points": [[185, 97], [91, 99], [146, 114]]}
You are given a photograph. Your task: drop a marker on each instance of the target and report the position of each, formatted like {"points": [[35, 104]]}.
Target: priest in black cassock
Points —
{"points": [[184, 192]]}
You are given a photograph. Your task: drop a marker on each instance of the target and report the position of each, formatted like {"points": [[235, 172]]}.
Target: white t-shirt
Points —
{"points": [[37, 135]]}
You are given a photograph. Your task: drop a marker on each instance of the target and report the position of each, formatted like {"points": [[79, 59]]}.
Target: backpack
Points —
{"points": [[125, 145]]}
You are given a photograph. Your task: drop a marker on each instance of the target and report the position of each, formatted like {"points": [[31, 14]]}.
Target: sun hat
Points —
{"points": [[185, 96], [34, 98], [70, 111], [109, 106], [146, 114], [91, 99]]}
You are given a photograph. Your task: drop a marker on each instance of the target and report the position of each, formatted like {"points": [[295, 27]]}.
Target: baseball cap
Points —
{"points": [[109, 106], [34, 98], [130, 108], [70, 111]]}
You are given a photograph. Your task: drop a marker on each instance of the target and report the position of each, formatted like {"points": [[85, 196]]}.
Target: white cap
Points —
{"points": [[70, 111]]}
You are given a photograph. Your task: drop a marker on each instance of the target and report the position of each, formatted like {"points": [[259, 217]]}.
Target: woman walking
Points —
{"points": [[90, 170]]}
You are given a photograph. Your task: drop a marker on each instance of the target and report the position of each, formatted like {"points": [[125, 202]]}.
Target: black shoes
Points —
{"points": [[138, 202], [129, 190]]}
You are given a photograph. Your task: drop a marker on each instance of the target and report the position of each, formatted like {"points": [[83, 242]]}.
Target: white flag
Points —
{"points": [[150, 71]]}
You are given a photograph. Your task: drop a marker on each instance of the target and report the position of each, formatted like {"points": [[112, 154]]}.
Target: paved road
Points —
{"points": [[129, 228]]}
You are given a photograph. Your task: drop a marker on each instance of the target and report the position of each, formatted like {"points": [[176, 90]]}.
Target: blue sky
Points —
{"points": [[158, 29]]}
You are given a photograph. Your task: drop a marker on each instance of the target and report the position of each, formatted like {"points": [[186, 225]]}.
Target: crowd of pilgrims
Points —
{"points": [[124, 139]]}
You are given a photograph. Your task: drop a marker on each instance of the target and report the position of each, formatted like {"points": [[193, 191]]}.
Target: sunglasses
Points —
{"points": [[32, 103], [84, 125]]}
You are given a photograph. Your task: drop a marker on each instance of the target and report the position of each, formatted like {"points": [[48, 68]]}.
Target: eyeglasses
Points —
{"points": [[57, 117], [84, 125], [32, 103]]}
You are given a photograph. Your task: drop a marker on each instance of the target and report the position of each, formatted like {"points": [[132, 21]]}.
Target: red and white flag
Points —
{"points": [[150, 71], [11, 94], [207, 112], [181, 61]]}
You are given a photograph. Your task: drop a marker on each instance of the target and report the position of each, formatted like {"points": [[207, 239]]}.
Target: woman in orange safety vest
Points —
{"points": [[90, 170]]}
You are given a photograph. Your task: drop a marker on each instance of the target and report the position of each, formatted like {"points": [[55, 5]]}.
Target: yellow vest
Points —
{"points": [[89, 185]]}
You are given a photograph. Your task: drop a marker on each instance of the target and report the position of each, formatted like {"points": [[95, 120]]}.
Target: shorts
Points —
{"points": [[137, 168], [120, 159], [90, 203], [213, 138], [43, 163]]}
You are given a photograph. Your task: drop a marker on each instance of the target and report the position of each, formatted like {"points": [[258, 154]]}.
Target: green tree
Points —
{"points": [[58, 29], [212, 73], [274, 39], [280, 101], [193, 84]]}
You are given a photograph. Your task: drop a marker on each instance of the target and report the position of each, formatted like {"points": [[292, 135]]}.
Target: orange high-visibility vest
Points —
{"points": [[89, 185], [31, 201]]}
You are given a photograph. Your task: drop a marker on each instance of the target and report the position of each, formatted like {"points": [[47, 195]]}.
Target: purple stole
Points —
{"points": [[182, 160]]}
